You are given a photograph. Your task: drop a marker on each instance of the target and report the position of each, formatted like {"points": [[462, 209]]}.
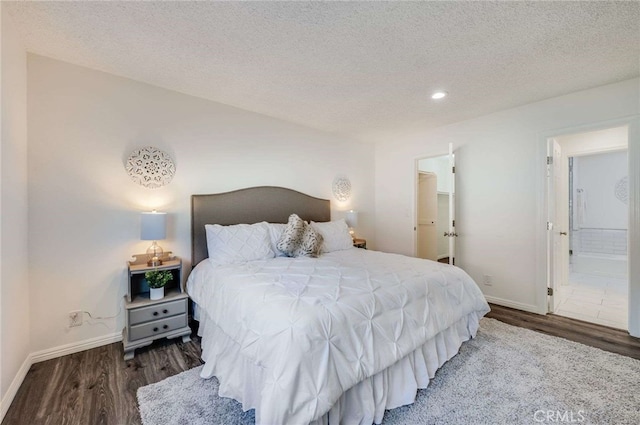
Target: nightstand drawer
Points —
{"points": [[158, 311], [157, 327]]}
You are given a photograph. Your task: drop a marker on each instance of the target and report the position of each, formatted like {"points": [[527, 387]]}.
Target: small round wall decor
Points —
{"points": [[150, 167], [622, 189], [341, 188]]}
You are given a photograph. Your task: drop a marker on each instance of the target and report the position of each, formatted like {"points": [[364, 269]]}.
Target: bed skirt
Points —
{"points": [[365, 402]]}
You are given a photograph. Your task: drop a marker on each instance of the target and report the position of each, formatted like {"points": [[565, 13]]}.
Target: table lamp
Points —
{"points": [[352, 221], [153, 228]]}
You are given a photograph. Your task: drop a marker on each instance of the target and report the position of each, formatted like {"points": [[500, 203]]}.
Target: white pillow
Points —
{"points": [[238, 243], [275, 232], [335, 235]]}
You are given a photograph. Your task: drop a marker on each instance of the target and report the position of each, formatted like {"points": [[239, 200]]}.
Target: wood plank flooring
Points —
{"points": [[602, 337], [98, 387]]}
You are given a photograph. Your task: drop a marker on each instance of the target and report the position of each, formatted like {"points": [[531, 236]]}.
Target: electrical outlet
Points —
{"points": [[75, 318], [488, 280]]}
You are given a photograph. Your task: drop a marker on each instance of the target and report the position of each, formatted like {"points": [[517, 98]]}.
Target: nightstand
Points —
{"points": [[147, 320], [360, 243]]}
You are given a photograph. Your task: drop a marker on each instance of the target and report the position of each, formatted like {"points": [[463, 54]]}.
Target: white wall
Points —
{"points": [[609, 139], [84, 209], [14, 304], [440, 166], [597, 176], [499, 186]]}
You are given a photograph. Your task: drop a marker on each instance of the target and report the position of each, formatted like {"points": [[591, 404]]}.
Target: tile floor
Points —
{"points": [[596, 299]]}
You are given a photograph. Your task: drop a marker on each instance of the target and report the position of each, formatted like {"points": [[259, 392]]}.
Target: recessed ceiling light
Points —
{"points": [[438, 95]]}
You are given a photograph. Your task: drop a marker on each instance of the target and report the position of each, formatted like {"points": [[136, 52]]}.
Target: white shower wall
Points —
{"points": [[600, 241], [599, 235], [600, 252], [597, 176]]}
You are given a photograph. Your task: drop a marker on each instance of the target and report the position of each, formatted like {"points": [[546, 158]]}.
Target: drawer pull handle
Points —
{"points": [[155, 313], [155, 329], [165, 311], [165, 327]]}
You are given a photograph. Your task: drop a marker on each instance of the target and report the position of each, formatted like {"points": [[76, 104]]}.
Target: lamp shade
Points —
{"points": [[352, 218], [153, 226]]}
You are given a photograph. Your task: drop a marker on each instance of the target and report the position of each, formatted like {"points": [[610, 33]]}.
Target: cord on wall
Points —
{"points": [[103, 318]]}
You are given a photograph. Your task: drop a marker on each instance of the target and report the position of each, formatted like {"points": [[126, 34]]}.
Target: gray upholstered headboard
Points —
{"points": [[252, 205]]}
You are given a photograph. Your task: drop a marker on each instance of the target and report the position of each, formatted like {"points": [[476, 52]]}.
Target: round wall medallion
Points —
{"points": [[622, 189], [150, 167], [341, 188]]}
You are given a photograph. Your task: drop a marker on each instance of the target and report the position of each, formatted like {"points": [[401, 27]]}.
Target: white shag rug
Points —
{"points": [[506, 375]]}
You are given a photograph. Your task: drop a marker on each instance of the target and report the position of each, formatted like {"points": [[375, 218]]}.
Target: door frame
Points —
{"points": [[557, 221], [633, 139]]}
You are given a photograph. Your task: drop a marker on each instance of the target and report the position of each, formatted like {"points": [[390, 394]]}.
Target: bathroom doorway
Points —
{"points": [[589, 235]]}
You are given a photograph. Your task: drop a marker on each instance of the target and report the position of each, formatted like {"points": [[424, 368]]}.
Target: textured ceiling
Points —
{"points": [[360, 69]]}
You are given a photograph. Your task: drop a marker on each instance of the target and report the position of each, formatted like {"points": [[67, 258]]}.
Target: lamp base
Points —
{"points": [[154, 254]]}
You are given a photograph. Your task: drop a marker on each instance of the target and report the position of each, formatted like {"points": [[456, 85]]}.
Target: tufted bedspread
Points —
{"points": [[318, 326]]}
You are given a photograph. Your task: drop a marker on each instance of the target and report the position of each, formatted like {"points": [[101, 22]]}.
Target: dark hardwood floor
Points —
{"points": [[603, 337], [98, 387]]}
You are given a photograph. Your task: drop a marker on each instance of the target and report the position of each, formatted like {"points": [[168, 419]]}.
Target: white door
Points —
{"points": [[452, 206], [557, 223], [427, 216]]}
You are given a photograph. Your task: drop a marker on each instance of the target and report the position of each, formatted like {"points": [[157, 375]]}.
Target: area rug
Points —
{"points": [[506, 375]]}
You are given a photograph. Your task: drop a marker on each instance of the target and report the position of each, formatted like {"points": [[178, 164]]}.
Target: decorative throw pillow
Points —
{"points": [[335, 235], [310, 244], [299, 239], [291, 236]]}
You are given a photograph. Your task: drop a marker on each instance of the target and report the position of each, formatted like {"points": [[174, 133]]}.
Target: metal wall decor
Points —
{"points": [[341, 188], [150, 167], [622, 189]]}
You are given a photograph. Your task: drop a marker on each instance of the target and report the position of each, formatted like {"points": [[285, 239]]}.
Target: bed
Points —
{"points": [[336, 339]]}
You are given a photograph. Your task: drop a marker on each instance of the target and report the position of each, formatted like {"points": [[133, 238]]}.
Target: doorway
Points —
{"points": [[588, 226], [428, 220], [435, 208]]}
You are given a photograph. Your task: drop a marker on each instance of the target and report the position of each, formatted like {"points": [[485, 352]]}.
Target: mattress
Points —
{"points": [[345, 335]]}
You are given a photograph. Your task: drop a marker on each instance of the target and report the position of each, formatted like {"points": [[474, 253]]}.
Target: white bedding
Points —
{"points": [[316, 327]]}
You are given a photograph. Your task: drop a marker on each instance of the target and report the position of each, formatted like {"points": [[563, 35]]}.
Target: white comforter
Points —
{"points": [[318, 326]]}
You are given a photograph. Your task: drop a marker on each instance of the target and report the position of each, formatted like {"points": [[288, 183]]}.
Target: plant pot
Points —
{"points": [[156, 293]]}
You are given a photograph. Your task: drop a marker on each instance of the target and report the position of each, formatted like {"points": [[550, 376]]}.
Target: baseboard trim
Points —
{"points": [[15, 386], [513, 304], [48, 354], [75, 347]]}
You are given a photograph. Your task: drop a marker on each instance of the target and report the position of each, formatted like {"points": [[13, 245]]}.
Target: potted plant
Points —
{"points": [[157, 279]]}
